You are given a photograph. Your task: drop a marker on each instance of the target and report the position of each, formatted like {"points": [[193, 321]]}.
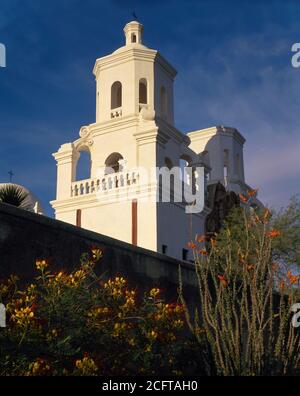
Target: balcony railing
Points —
{"points": [[104, 184], [115, 113]]}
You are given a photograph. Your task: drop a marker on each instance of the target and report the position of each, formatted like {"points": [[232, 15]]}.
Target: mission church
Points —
{"points": [[135, 130]]}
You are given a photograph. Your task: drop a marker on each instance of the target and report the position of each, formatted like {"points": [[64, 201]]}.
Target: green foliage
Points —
{"points": [[244, 311], [287, 247], [13, 195], [78, 324]]}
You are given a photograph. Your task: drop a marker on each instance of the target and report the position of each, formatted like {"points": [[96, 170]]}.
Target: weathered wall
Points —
{"points": [[25, 236]]}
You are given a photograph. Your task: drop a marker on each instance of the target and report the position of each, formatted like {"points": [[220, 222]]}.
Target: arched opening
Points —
{"points": [[205, 159], [116, 95], [112, 163], [143, 91], [168, 163], [163, 101], [83, 168], [226, 166], [133, 38]]}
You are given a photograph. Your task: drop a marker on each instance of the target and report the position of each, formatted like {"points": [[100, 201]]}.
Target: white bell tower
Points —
{"points": [[132, 78], [133, 135]]}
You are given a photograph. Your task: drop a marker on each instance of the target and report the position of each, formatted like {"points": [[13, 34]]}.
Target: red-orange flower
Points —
{"points": [[293, 278], [250, 267], [273, 234], [282, 285], [201, 238], [191, 245], [252, 193], [244, 198], [223, 280], [203, 252]]}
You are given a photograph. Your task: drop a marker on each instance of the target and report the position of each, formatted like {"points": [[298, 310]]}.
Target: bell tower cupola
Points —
{"points": [[134, 33]]}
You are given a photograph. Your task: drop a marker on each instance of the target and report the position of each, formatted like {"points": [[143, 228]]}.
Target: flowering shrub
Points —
{"points": [[245, 302], [78, 324]]}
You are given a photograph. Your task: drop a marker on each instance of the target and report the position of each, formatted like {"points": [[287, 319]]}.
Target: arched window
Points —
{"points": [[226, 165], [112, 163], [143, 91], [83, 168], [133, 38], [163, 100], [116, 95]]}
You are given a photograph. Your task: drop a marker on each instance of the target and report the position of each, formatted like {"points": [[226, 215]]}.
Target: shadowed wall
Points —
{"points": [[26, 236]]}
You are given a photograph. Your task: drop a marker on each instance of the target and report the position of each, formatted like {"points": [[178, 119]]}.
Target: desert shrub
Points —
{"points": [[79, 324], [246, 297]]}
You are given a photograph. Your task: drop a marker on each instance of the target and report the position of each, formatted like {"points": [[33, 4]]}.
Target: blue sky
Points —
{"points": [[234, 68]]}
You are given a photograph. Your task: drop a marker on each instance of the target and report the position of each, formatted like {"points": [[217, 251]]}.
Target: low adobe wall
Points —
{"points": [[26, 236]]}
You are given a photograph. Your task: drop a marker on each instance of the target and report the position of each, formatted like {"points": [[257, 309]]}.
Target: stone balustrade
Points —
{"points": [[105, 183]]}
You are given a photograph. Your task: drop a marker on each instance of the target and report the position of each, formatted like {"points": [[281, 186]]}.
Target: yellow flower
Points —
{"points": [[80, 275], [23, 316], [3, 289], [154, 292], [131, 342], [38, 367], [178, 323], [59, 276], [41, 264], [31, 288], [178, 309], [118, 329], [86, 366], [97, 253], [152, 335]]}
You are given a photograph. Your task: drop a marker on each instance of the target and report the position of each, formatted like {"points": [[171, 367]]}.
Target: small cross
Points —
{"points": [[134, 16], [11, 174]]}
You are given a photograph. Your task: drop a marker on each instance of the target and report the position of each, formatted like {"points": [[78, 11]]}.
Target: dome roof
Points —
{"points": [[31, 202]]}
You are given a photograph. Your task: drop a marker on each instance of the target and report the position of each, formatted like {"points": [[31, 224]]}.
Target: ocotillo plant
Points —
{"points": [[245, 302]]}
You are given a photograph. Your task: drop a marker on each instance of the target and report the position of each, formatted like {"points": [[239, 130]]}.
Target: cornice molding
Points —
{"points": [[172, 132], [212, 131], [127, 54]]}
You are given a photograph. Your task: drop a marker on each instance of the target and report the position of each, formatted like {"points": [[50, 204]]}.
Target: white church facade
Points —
{"points": [[134, 133]]}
